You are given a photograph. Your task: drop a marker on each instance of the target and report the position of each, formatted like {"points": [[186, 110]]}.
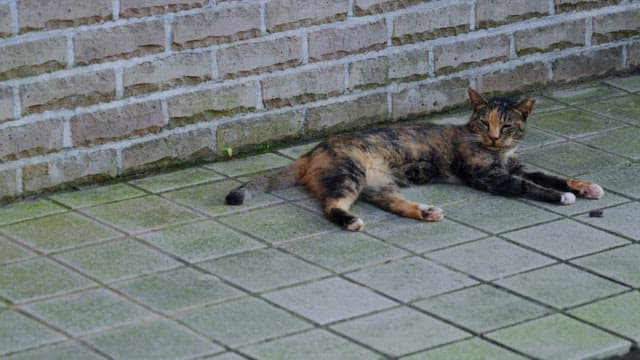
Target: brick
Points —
{"points": [[207, 104], [119, 42], [8, 184], [444, 20], [33, 57], [265, 129], [303, 86], [366, 7], [123, 122], [52, 14], [634, 54], [573, 5], [420, 100], [612, 27], [369, 73], [290, 14], [68, 92], [132, 8], [547, 38], [30, 139], [492, 13], [193, 145], [522, 77], [5, 20], [343, 116], [216, 26], [336, 43], [6, 104], [253, 58], [587, 64], [176, 70], [467, 53], [410, 65], [72, 169]]}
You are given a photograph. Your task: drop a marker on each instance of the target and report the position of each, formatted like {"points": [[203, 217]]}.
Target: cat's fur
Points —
{"points": [[373, 164]]}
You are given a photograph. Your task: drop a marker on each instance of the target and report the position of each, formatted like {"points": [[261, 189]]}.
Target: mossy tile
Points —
{"points": [[118, 260], [535, 138], [625, 108], [18, 332], [158, 339], [97, 195], [89, 311], [37, 278], [249, 165], [139, 214], [28, 210], [545, 104], [441, 194], [628, 83], [473, 349], [620, 314], [227, 356], [560, 337], [178, 289], [60, 231], [572, 159], [623, 142], [368, 213], [619, 264], [200, 241], [61, 351], [573, 122], [584, 93], [622, 179], [296, 151], [621, 219], [176, 180], [581, 205], [10, 252]]}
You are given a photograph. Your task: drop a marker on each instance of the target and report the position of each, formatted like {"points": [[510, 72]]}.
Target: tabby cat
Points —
{"points": [[373, 164]]}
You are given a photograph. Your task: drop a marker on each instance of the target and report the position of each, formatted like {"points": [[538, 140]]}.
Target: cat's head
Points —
{"points": [[498, 123]]}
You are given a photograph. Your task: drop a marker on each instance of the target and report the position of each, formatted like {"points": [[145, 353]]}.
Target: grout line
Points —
{"points": [[15, 20], [17, 104], [588, 33], [116, 9], [168, 21]]}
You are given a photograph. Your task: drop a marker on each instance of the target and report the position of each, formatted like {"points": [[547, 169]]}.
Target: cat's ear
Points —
{"points": [[525, 107], [477, 100]]}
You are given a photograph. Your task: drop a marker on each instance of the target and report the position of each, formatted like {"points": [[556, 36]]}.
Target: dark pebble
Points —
{"points": [[596, 213]]}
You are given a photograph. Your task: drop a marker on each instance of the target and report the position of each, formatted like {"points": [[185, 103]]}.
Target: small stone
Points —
{"points": [[596, 213]]}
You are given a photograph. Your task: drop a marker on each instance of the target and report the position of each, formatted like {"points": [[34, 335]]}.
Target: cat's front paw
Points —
{"points": [[568, 199], [356, 225], [430, 213], [593, 191]]}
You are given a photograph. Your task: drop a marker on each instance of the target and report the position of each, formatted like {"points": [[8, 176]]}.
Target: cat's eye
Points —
{"points": [[506, 126]]}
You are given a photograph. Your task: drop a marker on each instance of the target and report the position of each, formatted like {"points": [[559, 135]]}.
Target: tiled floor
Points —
{"points": [[159, 267]]}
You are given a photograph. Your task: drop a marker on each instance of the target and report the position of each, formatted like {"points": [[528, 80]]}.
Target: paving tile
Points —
{"points": [[620, 264], [37, 278], [263, 269], [200, 241], [622, 179], [411, 279], [621, 219], [61, 231], [28, 210], [482, 308], [625, 108], [573, 122], [279, 223], [249, 165], [582, 205], [368, 213], [97, 195], [63, 351], [421, 236], [329, 300], [630, 83], [535, 138], [455, 117], [545, 104], [296, 151], [178, 289], [560, 337], [226, 356], [18, 332], [117, 260], [10, 252], [343, 251], [623, 142], [159, 339], [490, 258], [319, 344], [89, 311], [244, 321], [400, 331], [571, 159], [565, 239], [620, 314], [441, 194], [473, 349], [176, 180], [584, 93], [293, 193], [561, 286]]}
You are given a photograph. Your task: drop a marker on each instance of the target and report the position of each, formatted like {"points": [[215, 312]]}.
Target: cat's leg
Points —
{"points": [[503, 183], [581, 188], [388, 198], [336, 209]]}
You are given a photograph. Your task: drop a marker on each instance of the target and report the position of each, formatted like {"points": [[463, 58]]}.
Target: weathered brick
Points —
{"points": [[369, 73], [491, 13], [410, 65], [612, 27], [547, 38], [216, 26], [119, 42], [122, 122], [336, 43], [303, 86], [573, 5], [176, 70], [6, 104], [366, 7], [52, 14], [68, 92], [444, 20], [33, 57], [348, 115], [587, 64], [265, 129], [252, 58], [208, 104], [289, 14], [417, 101], [634, 54], [5, 20], [72, 169], [8, 184], [30, 139], [467, 53], [193, 145], [521, 77], [131, 8]]}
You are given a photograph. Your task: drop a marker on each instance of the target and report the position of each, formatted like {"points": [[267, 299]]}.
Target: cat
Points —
{"points": [[373, 164]]}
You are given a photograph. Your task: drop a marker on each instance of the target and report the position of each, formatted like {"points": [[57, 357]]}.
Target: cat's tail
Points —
{"points": [[286, 177]]}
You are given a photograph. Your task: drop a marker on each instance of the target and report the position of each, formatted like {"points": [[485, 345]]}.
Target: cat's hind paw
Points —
{"points": [[430, 213], [593, 191], [568, 199], [356, 225]]}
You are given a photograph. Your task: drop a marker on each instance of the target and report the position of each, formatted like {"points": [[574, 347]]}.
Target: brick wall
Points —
{"points": [[97, 89]]}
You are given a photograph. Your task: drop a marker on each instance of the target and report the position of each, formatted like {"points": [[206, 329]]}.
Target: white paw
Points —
{"points": [[357, 225], [430, 213], [568, 199], [593, 191]]}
